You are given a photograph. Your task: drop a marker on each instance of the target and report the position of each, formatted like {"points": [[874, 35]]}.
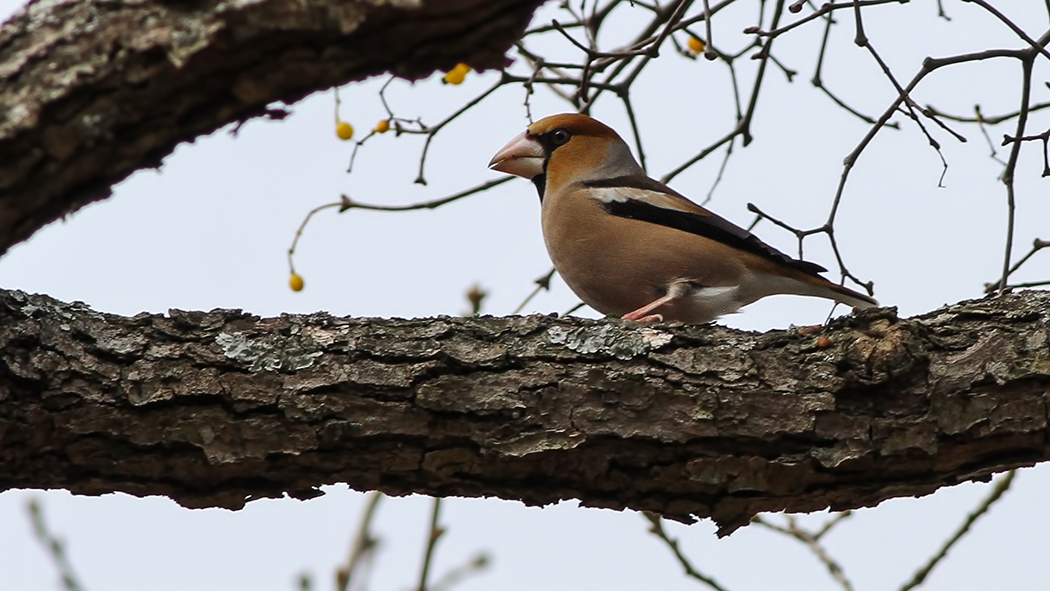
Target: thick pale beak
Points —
{"points": [[522, 156]]}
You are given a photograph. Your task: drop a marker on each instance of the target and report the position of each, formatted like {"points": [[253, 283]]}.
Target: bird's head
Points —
{"points": [[562, 141]]}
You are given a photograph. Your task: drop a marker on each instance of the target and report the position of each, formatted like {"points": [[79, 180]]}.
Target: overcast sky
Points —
{"points": [[211, 227]]}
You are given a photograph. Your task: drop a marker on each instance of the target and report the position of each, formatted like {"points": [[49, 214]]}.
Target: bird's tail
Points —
{"points": [[845, 295], [815, 285]]}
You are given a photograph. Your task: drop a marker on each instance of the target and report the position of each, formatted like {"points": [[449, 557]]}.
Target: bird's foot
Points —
{"points": [[642, 314], [650, 318]]}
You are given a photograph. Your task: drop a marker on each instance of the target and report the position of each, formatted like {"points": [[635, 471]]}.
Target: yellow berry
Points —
{"points": [[344, 130], [383, 126], [696, 45], [456, 75], [296, 282]]}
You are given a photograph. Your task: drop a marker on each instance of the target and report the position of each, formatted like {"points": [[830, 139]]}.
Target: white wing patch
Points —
{"points": [[625, 194]]}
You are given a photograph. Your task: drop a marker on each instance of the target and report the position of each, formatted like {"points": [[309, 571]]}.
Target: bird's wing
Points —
{"points": [[648, 200]]}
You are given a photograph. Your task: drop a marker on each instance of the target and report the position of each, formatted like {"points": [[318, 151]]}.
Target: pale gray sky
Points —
{"points": [[211, 227]]}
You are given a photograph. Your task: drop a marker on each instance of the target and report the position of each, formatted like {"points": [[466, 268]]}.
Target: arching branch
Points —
{"points": [[91, 90]]}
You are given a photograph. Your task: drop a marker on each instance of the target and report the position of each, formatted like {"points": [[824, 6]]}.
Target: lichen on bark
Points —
{"points": [[217, 408]]}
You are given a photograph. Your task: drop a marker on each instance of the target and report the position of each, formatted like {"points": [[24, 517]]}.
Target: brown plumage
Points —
{"points": [[629, 245]]}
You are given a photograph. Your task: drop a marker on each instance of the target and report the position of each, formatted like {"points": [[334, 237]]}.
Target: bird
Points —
{"points": [[630, 246]]}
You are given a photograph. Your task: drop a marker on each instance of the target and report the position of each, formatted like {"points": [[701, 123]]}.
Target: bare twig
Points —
{"points": [[831, 523], [721, 171], [433, 131], [1001, 486], [743, 125], [55, 547], [584, 71], [1011, 166], [812, 542], [478, 563], [978, 117], [363, 546], [573, 309], [818, 79], [823, 11], [658, 530], [302, 226], [542, 284], [346, 203], [433, 536], [1037, 245]]}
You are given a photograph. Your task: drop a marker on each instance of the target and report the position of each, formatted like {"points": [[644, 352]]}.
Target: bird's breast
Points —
{"points": [[617, 265]]}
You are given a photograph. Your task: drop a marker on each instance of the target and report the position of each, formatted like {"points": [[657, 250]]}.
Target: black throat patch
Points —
{"points": [[540, 182]]}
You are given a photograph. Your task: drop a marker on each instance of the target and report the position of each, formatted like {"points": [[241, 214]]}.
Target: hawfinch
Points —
{"points": [[629, 245]]}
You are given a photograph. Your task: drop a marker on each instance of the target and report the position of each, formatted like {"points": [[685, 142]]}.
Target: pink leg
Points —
{"points": [[642, 314]]}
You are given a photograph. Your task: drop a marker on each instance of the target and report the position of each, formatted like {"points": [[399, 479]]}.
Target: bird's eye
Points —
{"points": [[560, 137]]}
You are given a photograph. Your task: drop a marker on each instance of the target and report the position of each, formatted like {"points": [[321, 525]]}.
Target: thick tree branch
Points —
{"points": [[92, 90], [214, 409]]}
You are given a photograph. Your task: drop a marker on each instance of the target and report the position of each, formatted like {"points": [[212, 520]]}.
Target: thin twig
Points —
{"points": [[811, 541], [1037, 245], [478, 563], [542, 284], [432, 538], [1012, 286], [721, 171], [823, 11], [1001, 486], [980, 118], [1011, 166], [831, 523], [55, 547], [743, 125], [432, 131], [363, 545], [573, 309], [299, 231], [346, 203], [657, 529], [818, 78]]}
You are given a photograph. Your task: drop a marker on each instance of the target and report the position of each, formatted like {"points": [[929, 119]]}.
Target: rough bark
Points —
{"points": [[92, 90], [214, 409]]}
